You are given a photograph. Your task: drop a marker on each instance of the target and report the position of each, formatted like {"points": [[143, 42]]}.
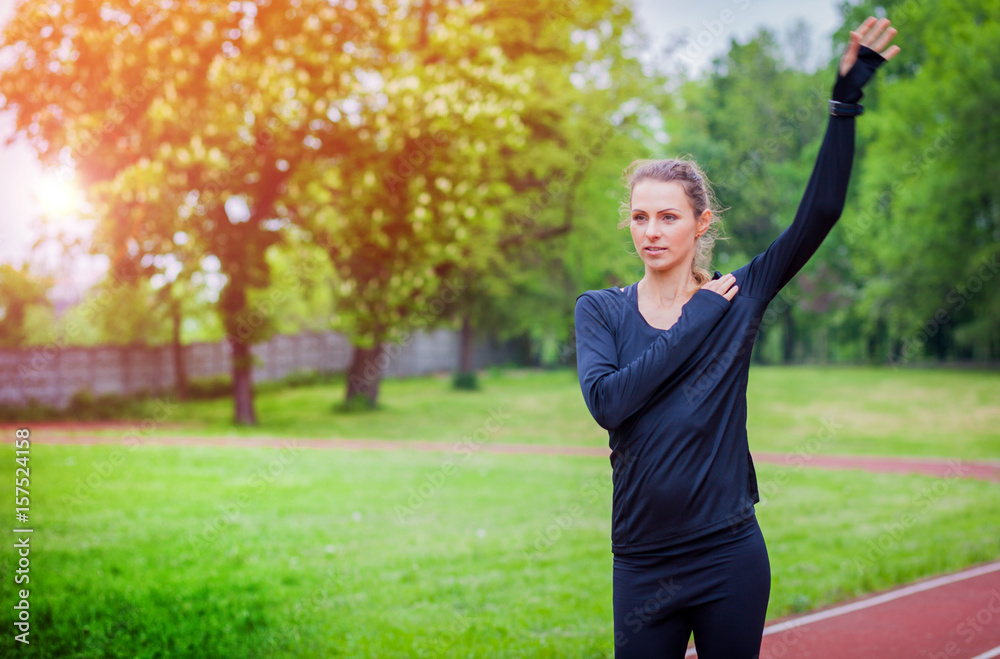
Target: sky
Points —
{"points": [[697, 30], [706, 27]]}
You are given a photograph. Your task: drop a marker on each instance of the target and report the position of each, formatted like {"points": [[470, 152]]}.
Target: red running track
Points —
{"points": [[942, 468], [955, 616], [68, 433]]}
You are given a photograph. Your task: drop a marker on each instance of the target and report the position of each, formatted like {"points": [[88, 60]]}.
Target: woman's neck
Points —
{"points": [[668, 287]]}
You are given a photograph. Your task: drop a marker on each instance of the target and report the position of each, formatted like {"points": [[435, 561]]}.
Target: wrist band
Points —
{"points": [[839, 109]]}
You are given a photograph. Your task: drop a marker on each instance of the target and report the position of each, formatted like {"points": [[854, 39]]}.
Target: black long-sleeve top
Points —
{"points": [[674, 401]]}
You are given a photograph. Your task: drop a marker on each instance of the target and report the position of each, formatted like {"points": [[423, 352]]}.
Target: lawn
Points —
{"points": [[152, 551], [877, 411], [854, 410], [224, 552]]}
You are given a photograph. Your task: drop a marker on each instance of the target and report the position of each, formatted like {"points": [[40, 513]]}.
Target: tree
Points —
{"points": [[20, 290], [186, 120], [591, 95], [469, 107], [926, 234], [395, 134]]}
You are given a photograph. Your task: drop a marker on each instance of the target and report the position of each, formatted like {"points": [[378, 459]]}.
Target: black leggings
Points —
{"points": [[716, 586]]}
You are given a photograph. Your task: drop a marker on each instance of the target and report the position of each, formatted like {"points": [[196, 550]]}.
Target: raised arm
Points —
{"points": [[614, 394], [823, 200]]}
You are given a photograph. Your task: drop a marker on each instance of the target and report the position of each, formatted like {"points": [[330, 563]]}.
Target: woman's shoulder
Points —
{"points": [[609, 293], [611, 298]]}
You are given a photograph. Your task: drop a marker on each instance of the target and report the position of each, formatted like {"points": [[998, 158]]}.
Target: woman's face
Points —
{"points": [[663, 225]]}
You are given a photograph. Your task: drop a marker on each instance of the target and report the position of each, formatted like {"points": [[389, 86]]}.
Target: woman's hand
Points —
{"points": [[873, 34], [724, 286]]}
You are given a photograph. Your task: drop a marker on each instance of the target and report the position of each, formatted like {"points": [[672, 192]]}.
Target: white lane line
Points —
{"points": [[882, 599]]}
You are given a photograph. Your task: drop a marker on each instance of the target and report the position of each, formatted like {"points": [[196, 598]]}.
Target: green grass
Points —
{"points": [[212, 552], [876, 411], [539, 407], [151, 551], [865, 410]]}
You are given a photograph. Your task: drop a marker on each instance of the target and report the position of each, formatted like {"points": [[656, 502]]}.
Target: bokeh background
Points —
{"points": [[235, 232]]}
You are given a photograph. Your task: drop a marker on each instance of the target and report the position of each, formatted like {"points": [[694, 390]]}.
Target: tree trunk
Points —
{"points": [[364, 375], [180, 374], [789, 338], [758, 348], [940, 342], [871, 348], [465, 360], [242, 382], [876, 341]]}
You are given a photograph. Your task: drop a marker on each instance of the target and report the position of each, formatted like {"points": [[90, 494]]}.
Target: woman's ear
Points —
{"points": [[704, 220]]}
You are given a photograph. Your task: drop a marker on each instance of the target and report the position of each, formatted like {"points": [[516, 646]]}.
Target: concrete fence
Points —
{"points": [[52, 376]]}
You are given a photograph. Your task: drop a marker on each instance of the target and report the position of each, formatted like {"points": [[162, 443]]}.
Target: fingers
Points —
{"points": [[724, 286], [716, 284], [879, 44], [872, 29], [876, 34], [866, 27]]}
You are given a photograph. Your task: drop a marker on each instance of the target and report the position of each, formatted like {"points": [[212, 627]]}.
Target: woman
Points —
{"points": [[663, 367]]}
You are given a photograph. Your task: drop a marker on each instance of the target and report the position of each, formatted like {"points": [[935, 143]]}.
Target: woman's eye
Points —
{"points": [[639, 218]]}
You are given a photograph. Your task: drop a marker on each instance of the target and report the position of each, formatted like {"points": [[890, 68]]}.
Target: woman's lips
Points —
{"points": [[656, 250]]}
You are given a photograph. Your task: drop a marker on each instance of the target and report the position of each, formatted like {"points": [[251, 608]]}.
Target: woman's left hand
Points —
{"points": [[873, 34], [724, 286]]}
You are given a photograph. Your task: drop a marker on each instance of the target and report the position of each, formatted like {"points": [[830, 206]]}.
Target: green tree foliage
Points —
{"points": [[434, 109], [558, 236], [754, 123], [397, 134], [926, 230], [21, 293], [911, 270], [181, 119], [468, 110]]}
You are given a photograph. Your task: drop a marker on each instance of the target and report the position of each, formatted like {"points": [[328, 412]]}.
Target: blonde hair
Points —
{"points": [[699, 192]]}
